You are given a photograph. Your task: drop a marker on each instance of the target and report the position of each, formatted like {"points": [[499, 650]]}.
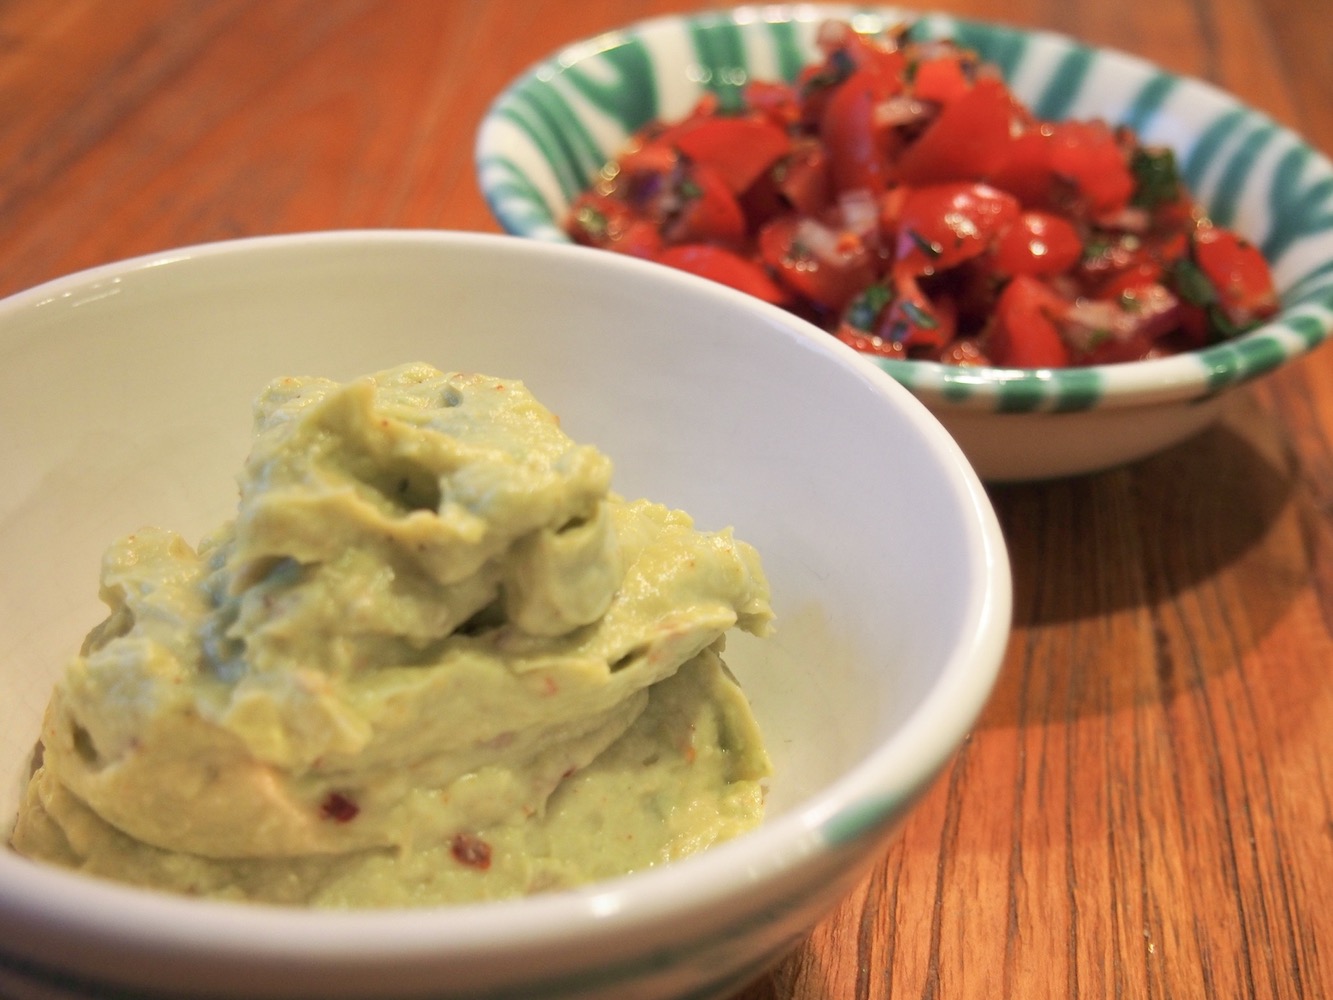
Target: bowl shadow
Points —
{"points": [[1138, 583]]}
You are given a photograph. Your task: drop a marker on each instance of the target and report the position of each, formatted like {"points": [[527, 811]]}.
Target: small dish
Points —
{"points": [[546, 136]]}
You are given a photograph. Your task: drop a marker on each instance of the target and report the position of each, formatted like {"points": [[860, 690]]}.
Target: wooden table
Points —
{"points": [[1146, 807]]}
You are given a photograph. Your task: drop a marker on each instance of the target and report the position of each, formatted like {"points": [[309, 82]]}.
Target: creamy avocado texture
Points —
{"points": [[432, 659]]}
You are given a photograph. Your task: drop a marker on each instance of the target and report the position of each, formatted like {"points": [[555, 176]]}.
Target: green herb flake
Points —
{"points": [[918, 315], [866, 307], [1157, 182], [928, 247], [1192, 284]]}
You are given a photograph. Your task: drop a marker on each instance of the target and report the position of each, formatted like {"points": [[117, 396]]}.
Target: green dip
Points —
{"points": [[432, 659]]}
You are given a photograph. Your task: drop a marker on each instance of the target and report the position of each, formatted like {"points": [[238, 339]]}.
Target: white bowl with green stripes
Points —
{"points": [[549, 132]]}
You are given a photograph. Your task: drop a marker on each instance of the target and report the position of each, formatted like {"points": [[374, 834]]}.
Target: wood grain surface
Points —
{"points": [[1146, 807]]}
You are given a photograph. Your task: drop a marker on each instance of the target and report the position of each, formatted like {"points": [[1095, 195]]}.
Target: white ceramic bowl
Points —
{"points": [[125, 395], [547, 135]]}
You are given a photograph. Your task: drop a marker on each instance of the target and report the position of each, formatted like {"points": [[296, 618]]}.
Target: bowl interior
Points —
{"points": [[125, 396], [546, 137]]}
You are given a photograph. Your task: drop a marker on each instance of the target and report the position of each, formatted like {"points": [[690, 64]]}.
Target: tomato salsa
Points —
{"points": [[900, 196]]}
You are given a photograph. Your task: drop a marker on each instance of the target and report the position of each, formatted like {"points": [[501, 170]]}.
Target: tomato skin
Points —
{"points": [[858, 154], [968, 140], [1023, 334], [739, 150], [941, 79], [1067, 167], [777, 103], [724, 267], [829, 281], [1039, 244], [941, 225], [710, 211], [804, 179], [1240, 274], [603, 221]]}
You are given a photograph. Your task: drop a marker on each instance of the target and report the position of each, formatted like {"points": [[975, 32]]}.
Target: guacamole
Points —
{"points": [[432, 658]]}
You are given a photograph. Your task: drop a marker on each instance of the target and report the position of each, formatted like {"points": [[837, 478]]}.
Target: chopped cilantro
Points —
{"points": [[1157, 181], [917, 313], [1192, 284], [867, 306], [928, 247]]}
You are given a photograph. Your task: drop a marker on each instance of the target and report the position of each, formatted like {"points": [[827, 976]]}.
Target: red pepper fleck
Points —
{"points": [[339, 807], [469, 849]]}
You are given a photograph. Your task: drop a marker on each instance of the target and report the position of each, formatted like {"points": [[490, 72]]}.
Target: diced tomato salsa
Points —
{"points": [[900, 196]]}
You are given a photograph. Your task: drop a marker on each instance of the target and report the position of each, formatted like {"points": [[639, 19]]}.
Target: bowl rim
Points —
{"points": [[1183, 377], [37, 898]]}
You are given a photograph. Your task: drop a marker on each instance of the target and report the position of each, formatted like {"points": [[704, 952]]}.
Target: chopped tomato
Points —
{"points": [[940, 78], [1238, 272], [1024, 334], [1039, 244], [709, 211], [820, 264], [968, 140], [942, 225], [602, 221], [1060, 166], [857, 146], [738, 149]]}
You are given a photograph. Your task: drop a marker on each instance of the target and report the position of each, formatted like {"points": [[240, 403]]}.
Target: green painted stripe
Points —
{"points": [[1022, 395], [1236, 173], [1310, 329], [629, 95], [1005, 47], [554, 128], [788, 50], [1299, 207], [1061, 90], [1315, 286], [1078, 389], [721, 53], [1148, 102], [1194, 165]]}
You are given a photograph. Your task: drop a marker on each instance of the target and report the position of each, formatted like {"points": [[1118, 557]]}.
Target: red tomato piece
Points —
{"points": [[738, 149], [777, 103], [709, 210], [1089, 155], [603, 221], [1024, 333], [968, 140], [1067, 167], [941, 79], [857, 147], [1039, 244], [1240, 274], [803, 178], [724, 267], [941, 225], [821, 265]]}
